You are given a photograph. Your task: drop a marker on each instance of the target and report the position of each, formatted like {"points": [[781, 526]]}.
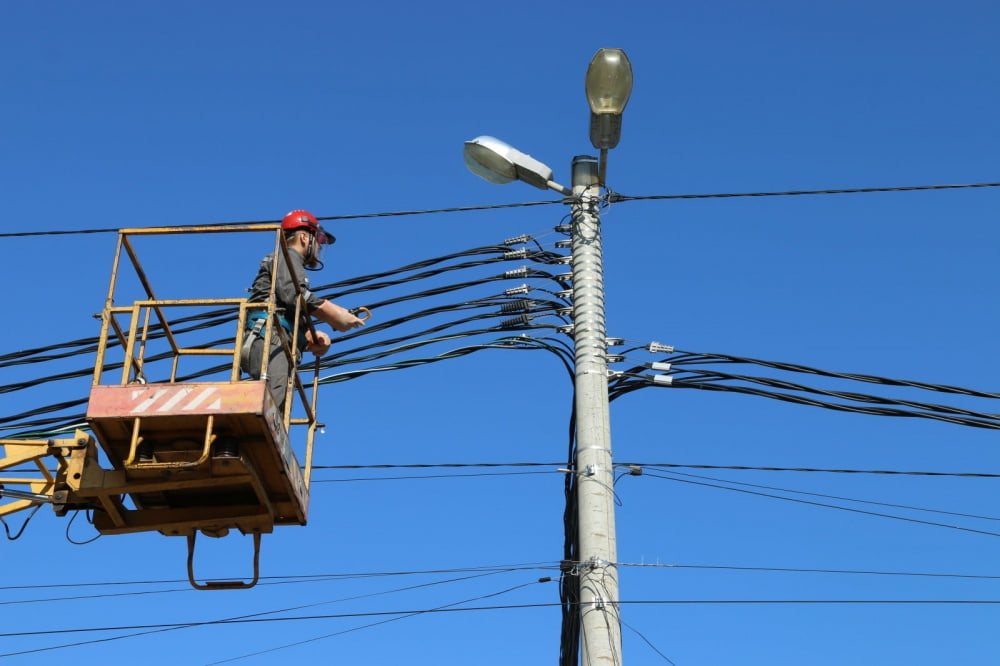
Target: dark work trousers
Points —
{"points": [[277, 367]]}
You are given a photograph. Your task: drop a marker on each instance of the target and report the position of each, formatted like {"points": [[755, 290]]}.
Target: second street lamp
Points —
{"points": [[608, 84]]}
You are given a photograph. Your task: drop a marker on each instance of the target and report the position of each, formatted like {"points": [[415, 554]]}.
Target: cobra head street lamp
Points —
{"points": [[498, 162], [609, 85]]}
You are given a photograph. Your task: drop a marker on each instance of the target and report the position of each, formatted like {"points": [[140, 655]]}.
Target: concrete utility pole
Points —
{"points": [[608, 86], [598, 572]]}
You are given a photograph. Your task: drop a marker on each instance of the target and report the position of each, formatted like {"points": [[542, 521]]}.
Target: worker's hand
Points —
{"points": [[318, 344], [337, 317], [345, 321]]}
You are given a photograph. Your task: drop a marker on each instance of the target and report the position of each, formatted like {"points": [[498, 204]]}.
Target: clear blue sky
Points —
{"points": [[120, 114]]}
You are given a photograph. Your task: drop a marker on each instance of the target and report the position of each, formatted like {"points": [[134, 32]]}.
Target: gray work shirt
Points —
{"points": [[284, 288]]}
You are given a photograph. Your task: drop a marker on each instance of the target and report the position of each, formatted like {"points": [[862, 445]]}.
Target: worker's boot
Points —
{"points": [[227, 447], [144, 453]]}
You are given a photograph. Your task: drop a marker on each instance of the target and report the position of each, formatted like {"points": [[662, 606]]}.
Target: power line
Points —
{"points": [[239, 618], [360, 216], [649, 464], [827, 506], [837, 497], [498, 568], [319, 578], [392, 619], [855, 572], [626, 466], [431, 476], [613, 197], [334, 616]]}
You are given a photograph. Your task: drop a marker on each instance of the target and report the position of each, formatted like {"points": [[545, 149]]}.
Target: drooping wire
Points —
{"points": [[20, 531]]}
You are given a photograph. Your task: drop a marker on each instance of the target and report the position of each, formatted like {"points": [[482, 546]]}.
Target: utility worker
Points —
{"points": [[304, 238]]}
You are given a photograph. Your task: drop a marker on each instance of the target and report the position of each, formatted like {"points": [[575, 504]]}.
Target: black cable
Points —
{"points": [[685, 358], [826, 506], [983, 421], [431, 476], [647, 641], [513, 343], [836, 497], [393, 619], [666, 465], [24, 525], [809, 571], [713, 375], [615, 197], [569, 579], [253, 616], [983, 475], [351, 575], [332, 616], [431, 211], [979, 420]]}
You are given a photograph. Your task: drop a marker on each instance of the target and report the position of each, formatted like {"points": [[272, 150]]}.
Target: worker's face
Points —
{"points": [[310, 248]]}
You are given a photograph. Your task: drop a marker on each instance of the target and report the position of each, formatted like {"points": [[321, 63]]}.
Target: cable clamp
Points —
{"points": [[659, 367], [517, 240], [519, 305], [515, 322], [665, 380], [516, 273], [657, 348]]}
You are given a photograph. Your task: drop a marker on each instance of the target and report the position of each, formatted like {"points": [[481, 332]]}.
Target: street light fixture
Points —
{"points": [[501, 163], [609, 84]]}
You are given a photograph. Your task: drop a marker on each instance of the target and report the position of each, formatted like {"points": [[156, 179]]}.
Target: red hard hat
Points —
{"points": [[303, 219]]}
